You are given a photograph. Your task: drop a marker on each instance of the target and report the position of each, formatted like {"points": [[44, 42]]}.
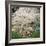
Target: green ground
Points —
{"points": [[35, 34]]}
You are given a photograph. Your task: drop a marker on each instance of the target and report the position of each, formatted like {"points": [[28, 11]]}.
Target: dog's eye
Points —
{"points": [[32, 22]]}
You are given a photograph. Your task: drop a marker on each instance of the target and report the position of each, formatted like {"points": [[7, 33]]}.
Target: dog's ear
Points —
{"points": [[13, 10]]}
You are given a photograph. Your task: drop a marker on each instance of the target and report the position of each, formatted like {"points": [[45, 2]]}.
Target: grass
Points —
{"points": [[16, 35], [35, 34]]}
